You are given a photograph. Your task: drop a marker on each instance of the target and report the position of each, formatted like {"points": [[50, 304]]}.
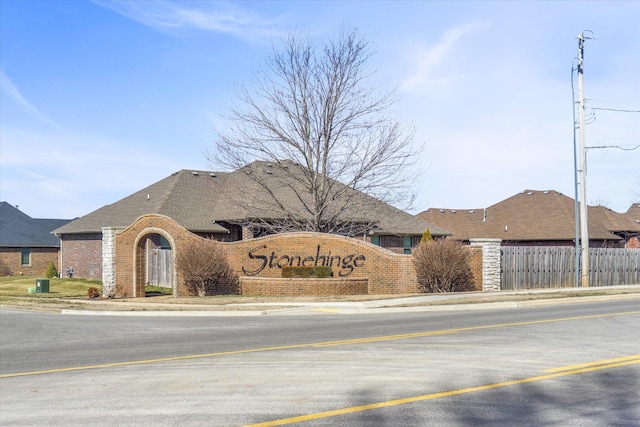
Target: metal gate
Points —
{"points": [[159, 268]]}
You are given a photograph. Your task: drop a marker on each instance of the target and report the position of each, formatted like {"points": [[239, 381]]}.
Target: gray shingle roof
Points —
{"points": [[527, 216], [186, 196], [18, 229], [200, 200]]}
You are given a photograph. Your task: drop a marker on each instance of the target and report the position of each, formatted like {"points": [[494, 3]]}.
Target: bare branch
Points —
{"points": [[318, 106]]}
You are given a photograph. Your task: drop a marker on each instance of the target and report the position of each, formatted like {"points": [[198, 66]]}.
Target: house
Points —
{"points": [[622, 225], [536, 218], [26, 244], [234, 206], [634, 214]]}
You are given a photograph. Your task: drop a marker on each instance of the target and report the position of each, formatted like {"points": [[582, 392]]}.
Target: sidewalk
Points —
{"points": [[420, 303]]}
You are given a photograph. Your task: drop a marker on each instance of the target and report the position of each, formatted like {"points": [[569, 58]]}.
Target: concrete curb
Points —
{"points": [[410, 304], [376, 307]]}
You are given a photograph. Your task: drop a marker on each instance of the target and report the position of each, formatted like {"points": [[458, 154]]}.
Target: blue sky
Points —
{"points": [[100, 99]]}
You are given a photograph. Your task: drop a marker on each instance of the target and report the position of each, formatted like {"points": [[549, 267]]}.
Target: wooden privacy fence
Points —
{"points": [[535, 267]]}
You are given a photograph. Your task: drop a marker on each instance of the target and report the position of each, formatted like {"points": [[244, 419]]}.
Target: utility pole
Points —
{"points": [[584, 229]]}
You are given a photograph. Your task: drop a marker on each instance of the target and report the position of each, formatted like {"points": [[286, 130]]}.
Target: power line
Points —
{"points": [[616, 109], [615, 146]]}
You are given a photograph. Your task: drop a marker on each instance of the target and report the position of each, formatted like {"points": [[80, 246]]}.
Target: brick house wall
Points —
{"points": [[633, 243], [83, 253], [11, 261]]}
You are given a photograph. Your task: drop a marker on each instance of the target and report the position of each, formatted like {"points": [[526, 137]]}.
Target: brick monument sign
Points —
{"points": [[358, 266]]}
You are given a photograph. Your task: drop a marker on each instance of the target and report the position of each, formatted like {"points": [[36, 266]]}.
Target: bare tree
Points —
{"points": [[321, 121]]}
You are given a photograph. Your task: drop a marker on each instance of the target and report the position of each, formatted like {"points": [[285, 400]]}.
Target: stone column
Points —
{"points": [[109, 262], [490, 262]]}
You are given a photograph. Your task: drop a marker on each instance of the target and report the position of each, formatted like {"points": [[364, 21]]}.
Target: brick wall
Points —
{"points": [[387, 272], [475, 261], [633, 243], [83, 253], [130, 244], [11, 261], [267, 286], [262, 259]]}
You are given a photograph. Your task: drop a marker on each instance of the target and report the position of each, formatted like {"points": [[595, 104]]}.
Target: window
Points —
{"points": [[164, 243], [408, 243], [25, 256], [375, 240]]}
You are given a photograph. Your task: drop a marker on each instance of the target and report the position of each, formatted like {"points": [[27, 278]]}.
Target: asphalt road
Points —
{"points": [[569, 365]]}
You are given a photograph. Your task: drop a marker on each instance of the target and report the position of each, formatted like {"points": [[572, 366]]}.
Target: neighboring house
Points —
{"points": [[622, 225], [26, 244], [220, 205], [535, 218], [634, 213]]}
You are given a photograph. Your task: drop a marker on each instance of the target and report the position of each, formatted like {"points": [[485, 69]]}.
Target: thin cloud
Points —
{"points": [[221, 17], [13, 93], [428, 60]]}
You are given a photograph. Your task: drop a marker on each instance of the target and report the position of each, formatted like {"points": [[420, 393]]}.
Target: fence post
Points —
{"points": [[490, 262]]}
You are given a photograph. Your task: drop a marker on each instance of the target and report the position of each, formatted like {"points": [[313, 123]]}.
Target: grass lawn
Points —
{"points": [[16, 289], [18, 286]]}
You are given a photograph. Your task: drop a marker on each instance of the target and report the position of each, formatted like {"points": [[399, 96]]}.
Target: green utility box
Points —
{"points": [[42, 286]]}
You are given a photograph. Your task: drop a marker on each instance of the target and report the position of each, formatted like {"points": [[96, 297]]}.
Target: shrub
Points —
{"points": [[4, 269], [52, 271], [426, 236], [93, 293], [443, 266], [319, 272], [205, 270]]}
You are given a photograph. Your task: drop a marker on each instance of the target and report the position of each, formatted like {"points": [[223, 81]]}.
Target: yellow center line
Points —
{"points": [[312, 345], [595, 366], [159, 360], [635, 357], [385, 338]]}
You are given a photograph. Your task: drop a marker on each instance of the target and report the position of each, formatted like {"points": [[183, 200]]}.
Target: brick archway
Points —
{"points": [[130, 253], [146, 240]]}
